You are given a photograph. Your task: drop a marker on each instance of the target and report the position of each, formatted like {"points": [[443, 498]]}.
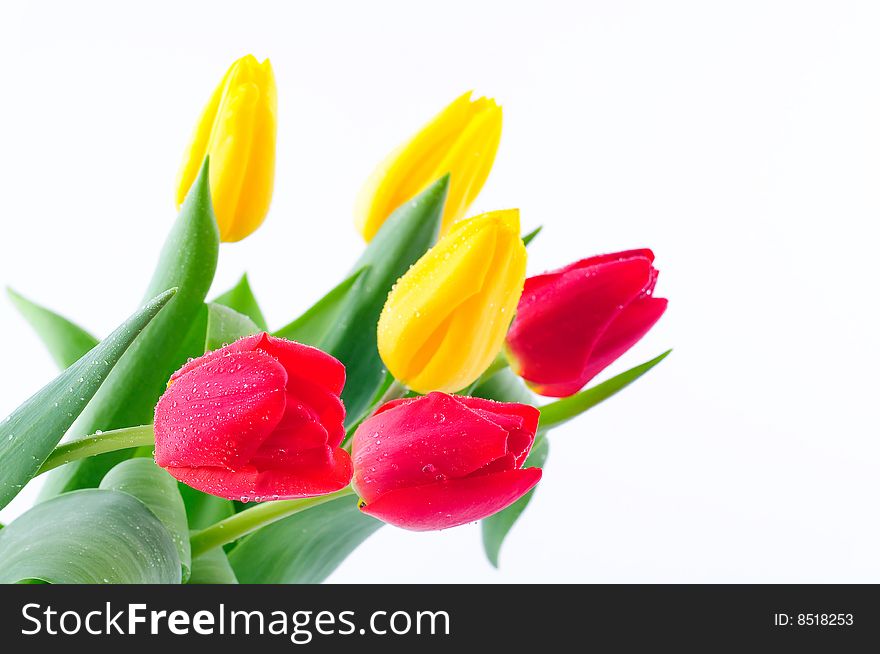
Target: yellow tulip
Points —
{"points": [[445, 320], [461, 140], [237, 131]]}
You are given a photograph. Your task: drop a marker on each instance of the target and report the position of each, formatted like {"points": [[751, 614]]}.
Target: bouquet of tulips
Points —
{"points": [[193, 445]]}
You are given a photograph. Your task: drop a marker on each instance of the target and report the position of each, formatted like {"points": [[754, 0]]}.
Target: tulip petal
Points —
{"points": [[414, 321], [306, 362], [435, 438], [556, 329], [258, 181], [298, 432], [520, 421], [229, 150], [452, 503], [475, 334], [411, 167], [218, 413], [246, 344], [627, 329], [533, 285], [251, 484]]}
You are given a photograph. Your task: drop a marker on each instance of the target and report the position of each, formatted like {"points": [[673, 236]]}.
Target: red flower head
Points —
{"points": [[259, 419], [440, 460], [573, 322]]}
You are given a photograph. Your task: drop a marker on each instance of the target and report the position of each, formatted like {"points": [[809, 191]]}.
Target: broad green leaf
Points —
{"points": [[89, 537], [212, 567], [560, 411], [304, 548], [496, 527], [404, 237], [31, 432], [226, 325], [311, 327], [241, 298], [187, 261], [528, 238], [203, 510], [505, 386], [65, 341], [146, 481]]}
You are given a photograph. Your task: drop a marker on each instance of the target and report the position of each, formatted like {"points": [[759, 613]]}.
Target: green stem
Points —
{"points": [[99, 443], [249, 520]]}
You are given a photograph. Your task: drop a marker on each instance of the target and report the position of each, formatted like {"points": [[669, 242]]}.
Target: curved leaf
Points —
{"points": [[505, 386], [496, 527], [304, 548], [203, 510], [404, 237], [311, 327], [188, 261], [29, 434], [89, 537], [226, 325], [212, 567], [528, 238], [146, 481], [65, 341], [241, 298], [560, 411]]}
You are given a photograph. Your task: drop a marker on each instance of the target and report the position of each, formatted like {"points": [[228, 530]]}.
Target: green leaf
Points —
{"points": [[505, 386], [528, 238], [144, 480], [304, 548], [241, 298], [404, 237], [188, 261], [212, 567], [226, 325], [89, 537], [311, 327], [203, 510], [560, 411], [29, 434], [496, 527], [65, 341]]}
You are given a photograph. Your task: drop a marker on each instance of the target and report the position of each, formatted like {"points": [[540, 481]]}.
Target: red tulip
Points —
{"points": [[573, 322], [259, 419], [440, 460]]}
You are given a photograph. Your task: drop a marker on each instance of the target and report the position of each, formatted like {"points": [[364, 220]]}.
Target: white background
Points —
{"points": [[739, 140]]}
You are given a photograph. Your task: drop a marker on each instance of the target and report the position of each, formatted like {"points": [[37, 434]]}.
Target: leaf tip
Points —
{"points": [[528, 238]]}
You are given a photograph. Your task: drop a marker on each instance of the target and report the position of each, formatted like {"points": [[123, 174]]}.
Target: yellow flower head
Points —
{"points": [[461, 140], [445, 319], [237, 131]]}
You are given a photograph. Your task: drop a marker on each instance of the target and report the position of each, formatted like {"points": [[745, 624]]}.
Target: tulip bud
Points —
{"points": [[573, 322], [461, 140], [237, 131], [440, 460], [259, 419], [445, 319]]}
